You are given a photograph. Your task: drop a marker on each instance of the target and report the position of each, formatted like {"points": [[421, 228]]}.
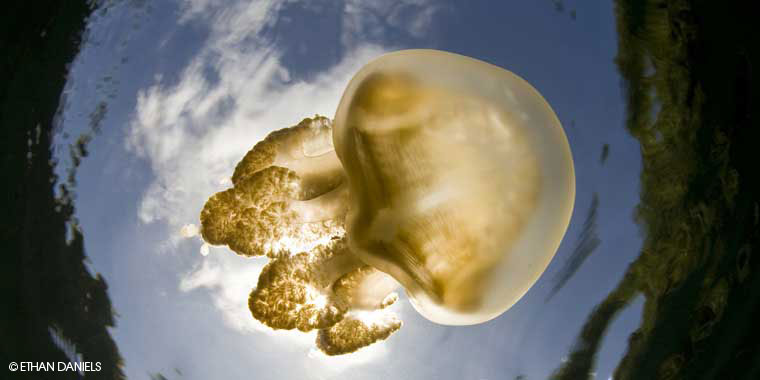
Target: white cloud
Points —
{"points": [[193, 133], [235, 91], [339, 363], [230, 279]]}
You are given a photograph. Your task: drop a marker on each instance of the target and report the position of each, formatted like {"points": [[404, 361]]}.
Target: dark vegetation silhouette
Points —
{"points": [[690, 75], [45, 283]]}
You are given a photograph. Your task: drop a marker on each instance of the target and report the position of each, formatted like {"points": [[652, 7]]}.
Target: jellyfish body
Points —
{"points": [[461, 181], [444, 174]]}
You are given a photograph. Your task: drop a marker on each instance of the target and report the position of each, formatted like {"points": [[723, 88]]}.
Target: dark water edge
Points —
{"points": [[45, 283], [689, 70]]}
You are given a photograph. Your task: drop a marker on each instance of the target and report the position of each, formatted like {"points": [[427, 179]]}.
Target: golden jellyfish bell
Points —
{"points": [[460, 177]]}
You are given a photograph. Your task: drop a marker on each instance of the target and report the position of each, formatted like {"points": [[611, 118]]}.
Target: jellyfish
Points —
{"points": [[440, 174]]}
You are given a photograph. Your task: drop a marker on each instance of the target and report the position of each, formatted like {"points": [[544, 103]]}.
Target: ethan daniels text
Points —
{"points": [[80, 367]]}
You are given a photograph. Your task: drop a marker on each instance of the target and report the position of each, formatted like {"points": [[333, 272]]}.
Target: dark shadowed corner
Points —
{"points": [[54, 308], [696, 61]]}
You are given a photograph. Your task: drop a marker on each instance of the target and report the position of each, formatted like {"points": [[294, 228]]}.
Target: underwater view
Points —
{"points": [[400, 189]]}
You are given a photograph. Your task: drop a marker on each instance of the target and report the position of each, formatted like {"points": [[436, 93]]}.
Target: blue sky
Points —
{"points": [[190, 86]]}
